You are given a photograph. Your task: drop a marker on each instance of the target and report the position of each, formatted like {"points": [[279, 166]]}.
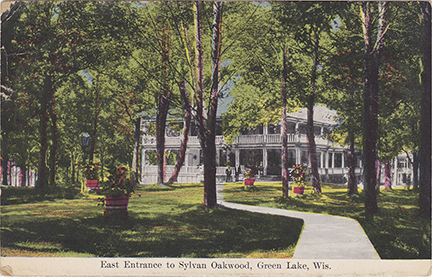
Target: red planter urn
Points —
{"points": [[116, 206], [92, 184], [117, 202], [249, 181], [299, 190]]}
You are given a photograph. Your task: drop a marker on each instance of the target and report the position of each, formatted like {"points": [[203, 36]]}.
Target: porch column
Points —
{"points": [[237, 158], [343, 160], [326, 164], [395, 172], [143, 163], [265, 162], [297, 155], [217, 156], [322, 153], [333, 161], [186, 162]]}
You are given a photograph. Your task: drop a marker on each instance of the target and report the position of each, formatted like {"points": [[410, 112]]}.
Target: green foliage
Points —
{"points": [[298, 173], [119, 183], [91, 171], [400, 87], [287, 26]]}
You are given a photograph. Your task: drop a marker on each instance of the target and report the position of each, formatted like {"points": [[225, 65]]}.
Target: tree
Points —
{"points": [[285, 173], [310, 123], [373, 53], [207, 125], [182, 154], [425, 129], [310, 23], [49, 61], [257, 61], [164, 102], [44, 49], [398, 115]]}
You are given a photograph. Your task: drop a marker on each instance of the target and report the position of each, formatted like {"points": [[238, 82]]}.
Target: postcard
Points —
{"points": [[236, 138]]}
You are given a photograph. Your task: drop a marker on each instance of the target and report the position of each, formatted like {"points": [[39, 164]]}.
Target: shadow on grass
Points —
{"points": [[193, 233], [21, 195]]}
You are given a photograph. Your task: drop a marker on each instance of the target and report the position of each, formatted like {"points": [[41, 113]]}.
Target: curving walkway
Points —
{"points": [[323, 236]]}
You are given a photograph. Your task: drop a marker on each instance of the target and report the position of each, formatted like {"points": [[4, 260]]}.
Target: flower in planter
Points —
{"points": [[91, 171], [299, 174], [118, 183], [249, 174]]}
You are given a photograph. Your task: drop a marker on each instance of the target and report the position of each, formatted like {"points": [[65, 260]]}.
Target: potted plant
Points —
{"points": [[249, 180], [92, 176], [117, 191], [299, 175]]}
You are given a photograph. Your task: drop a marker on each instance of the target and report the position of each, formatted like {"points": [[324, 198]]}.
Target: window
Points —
{"points": [[171, 157], [304, 157], [193, 130], [174, 129], [151, 157], [274, 129], [338, 160], [218, 128], [291, 127], [302, 129], [222, 158], [401, 164]]}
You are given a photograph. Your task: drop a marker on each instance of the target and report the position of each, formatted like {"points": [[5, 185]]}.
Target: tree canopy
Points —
{"points": [[83, 66]]}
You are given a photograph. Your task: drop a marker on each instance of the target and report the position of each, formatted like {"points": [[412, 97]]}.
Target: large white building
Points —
{"points": [[260, 147]]}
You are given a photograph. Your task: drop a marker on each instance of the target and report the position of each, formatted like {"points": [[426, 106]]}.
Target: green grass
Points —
{"points": [[397, 231], [163, 222]]}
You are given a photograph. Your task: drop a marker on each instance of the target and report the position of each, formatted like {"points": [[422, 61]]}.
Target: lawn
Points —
{"points": [[397, 231], [163, 222]]}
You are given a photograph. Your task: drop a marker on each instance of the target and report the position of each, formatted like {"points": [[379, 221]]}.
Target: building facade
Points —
{"points": [[260, 148]]}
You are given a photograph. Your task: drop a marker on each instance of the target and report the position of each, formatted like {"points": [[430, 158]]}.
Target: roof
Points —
{"points": [[322, 114]]}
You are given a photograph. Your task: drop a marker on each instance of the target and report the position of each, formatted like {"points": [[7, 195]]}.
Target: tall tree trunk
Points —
{"points": [[42, 168], [54, 148], [93, 141], [207, 128], [182, 155], [210, 158], [72, 168], [387, 180], [23, 174], [4, 161], [161, 119], [378, 175], [137, 137], [163, 107], [425, 124], [310, 124], [370, 128], [200, 117], [285, 186], [352, 185]]}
